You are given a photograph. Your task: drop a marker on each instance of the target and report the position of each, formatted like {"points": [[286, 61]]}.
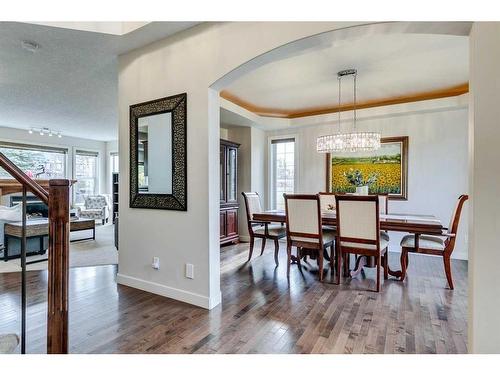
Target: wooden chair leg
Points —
{"points": [[263, 246], [404, 262], [276, 250], [250, 251], [299, 257], [447, 270], [346, 259], [289, 256], [320, 265], [339, 261], [386, 265], [332, 254], [378, 273]]}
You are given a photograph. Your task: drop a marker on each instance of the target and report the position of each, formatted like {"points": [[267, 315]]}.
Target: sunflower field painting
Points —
{"points": [[389, 163]]}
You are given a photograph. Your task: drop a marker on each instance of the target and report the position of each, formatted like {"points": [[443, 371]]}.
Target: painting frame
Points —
{"points": [[403, 141]]}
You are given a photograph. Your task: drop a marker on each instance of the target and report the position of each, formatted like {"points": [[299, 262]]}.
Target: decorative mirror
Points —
{"points": [[158, 154]]}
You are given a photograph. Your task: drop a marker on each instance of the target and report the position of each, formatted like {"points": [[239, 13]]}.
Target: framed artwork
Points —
{"points": [[389, 163]]}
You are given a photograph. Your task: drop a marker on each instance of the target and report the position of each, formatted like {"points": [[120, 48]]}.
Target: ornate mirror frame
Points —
{"points": [[177, 106]]}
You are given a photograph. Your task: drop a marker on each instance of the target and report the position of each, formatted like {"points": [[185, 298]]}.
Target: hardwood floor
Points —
{"points": [[261, 312]]}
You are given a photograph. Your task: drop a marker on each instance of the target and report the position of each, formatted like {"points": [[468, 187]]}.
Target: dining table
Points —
{"points": [[417, 224]]}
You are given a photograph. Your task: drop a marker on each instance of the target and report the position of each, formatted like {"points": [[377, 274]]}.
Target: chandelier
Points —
{"points": [[351, 141]]}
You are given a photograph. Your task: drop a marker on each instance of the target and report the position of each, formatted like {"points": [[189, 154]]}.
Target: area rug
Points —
{"points": [[87, 253]]}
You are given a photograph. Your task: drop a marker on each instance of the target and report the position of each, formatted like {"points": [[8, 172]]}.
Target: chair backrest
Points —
{"points": [[358, 218], [327, 201], [383, 200], [455, 219], [303, 218], [252, 205], [95, 201]]}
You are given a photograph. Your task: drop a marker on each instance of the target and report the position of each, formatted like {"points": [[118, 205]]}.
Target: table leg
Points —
{"points": [[399, 274], [360, 263]]}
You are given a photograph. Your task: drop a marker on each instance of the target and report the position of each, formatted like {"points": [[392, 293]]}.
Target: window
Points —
{"points": [[85, 174], [36, 161], [282, 170], [114, 162]]}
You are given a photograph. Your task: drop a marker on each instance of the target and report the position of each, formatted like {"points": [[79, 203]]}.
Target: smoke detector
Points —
{"points": [[30, 46]]}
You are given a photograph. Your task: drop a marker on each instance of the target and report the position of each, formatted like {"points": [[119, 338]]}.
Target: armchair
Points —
{"points": [[96, 207]]}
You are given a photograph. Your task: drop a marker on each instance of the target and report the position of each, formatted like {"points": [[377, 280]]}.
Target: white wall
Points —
{"points": [[189, 62], [437, 160], [70, 143], [484, 288]]}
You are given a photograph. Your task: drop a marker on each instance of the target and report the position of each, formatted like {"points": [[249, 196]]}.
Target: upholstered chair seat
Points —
{"points": [[384, 235], [383, 244], [424, 242], [328, 238], [275, 230]]}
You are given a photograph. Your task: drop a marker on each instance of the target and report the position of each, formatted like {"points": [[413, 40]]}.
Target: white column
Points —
{"points": [[484, 252]]}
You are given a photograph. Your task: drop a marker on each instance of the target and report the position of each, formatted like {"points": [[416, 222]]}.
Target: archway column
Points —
{"points": [[484, 250]]}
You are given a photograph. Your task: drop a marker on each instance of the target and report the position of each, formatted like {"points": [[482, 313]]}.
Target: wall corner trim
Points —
{"points": [[167, 291]]}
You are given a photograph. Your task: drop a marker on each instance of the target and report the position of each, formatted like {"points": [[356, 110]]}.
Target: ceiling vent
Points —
{"points": [[30, 46]]}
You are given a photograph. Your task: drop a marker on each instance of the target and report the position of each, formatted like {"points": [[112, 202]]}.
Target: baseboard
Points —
{"points": [[244, 238], [167, 291]]}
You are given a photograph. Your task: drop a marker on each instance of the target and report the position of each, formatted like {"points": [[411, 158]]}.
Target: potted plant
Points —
{"points": [[355, 178]]}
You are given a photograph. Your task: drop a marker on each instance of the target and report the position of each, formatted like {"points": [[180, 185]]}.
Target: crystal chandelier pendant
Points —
{"points": [[348, 142]]}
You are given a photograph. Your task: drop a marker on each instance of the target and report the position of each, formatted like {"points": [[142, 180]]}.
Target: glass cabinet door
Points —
{"points": [[222, 166], [231, 175]]}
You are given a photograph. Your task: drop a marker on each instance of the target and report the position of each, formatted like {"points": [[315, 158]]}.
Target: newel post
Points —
{"points": [[57, 314]]}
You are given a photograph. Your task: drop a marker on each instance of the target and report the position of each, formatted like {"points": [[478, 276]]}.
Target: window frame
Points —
{"points": [[271, 162], [89, 152], [39, 147]]}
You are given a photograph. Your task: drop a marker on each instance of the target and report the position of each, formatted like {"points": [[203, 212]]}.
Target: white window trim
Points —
{"points": [[98, 170], [270, 169], [44, 144]]}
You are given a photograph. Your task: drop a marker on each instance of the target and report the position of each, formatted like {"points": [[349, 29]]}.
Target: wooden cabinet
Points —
{"points": [[228, 191]]}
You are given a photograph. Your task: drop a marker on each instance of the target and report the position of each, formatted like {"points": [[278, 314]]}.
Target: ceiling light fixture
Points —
{"points": [[354, 140], [43, 131]]}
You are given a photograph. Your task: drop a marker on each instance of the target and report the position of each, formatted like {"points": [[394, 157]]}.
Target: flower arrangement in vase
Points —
{"points": [[355, 178]]}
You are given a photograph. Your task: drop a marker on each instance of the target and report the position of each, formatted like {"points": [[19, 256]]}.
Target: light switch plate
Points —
{"points": [[189, 271]]}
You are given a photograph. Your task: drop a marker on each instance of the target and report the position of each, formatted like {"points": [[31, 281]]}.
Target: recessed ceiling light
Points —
{"points": [[30, 46]]}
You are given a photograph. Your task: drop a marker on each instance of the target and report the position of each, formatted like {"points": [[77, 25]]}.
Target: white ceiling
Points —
{"points": [[388, 66], [70, 83]]}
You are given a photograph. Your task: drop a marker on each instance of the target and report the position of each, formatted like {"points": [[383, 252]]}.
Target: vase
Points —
{"points": [[362, 190]]}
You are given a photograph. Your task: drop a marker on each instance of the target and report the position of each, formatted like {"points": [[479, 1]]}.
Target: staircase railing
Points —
{"points": [[57, 199]]}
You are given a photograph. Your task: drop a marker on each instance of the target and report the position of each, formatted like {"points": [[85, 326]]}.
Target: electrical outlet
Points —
{"points": [[156, 263], [189, 271]]}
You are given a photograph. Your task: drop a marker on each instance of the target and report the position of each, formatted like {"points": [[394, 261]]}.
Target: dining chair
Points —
{"points": [[358, 231], [304, 229], [434, 245], [261, 229], [383, 204]]}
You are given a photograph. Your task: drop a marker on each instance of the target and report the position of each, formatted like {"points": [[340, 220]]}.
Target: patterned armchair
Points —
{"points": [[96, 207]]}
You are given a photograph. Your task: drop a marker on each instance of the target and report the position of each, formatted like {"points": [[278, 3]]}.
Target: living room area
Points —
{"points": [[66, 128]]}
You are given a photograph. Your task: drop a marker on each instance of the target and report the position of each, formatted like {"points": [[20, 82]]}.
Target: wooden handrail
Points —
{"points": [[57, 297], [20, 176]]}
